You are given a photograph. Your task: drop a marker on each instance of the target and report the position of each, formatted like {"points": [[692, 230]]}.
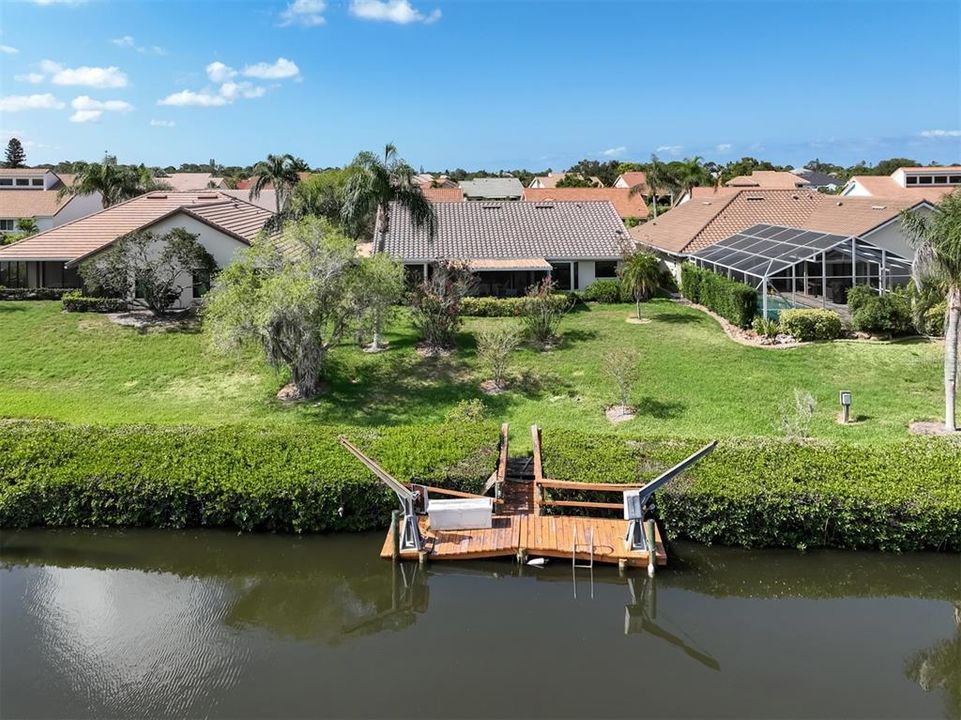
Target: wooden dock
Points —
{"points": [[520, 529]]}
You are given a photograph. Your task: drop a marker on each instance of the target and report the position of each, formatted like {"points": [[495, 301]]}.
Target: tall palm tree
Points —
{"points": [[657, 180], [640, 276], [115, 183], [692, 173], [376, 182], [279, 172], [937, 262]]}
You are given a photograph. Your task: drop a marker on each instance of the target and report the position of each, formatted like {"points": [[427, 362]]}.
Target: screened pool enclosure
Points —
{"points": [[802, 268]]}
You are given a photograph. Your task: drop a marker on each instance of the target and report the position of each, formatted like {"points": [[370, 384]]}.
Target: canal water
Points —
{"points": [[215, 624]]}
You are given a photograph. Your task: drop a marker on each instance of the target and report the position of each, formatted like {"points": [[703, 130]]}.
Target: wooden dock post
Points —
{"points": [[422, 557], [522, 555], [622, 566], [395, 534], [651, 547]]}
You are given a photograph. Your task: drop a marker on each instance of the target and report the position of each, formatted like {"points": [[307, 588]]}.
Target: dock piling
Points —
{"points": [[651, 547], [395, 534]]}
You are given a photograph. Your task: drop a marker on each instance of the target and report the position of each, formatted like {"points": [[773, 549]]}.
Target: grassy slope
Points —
{"points": [[694, 381]]}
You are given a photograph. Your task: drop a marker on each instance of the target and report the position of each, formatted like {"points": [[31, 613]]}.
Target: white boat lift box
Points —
{"points": [[466, 514]]}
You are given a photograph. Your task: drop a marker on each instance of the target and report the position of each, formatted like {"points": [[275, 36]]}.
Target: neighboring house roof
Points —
{"points": [[551, 179], [24, 172], [81, 238], [189, 182], [442, 194], [31, 203], [266, 200], [633, 178], [817, 178], [509, 231], [624, 203], [493, 188], [699, 223], [249, 182], [768, 179], [710, 192], [884, 186]]}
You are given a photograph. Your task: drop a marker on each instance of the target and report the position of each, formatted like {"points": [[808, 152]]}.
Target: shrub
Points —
{"points": [[888, 313], [621, 364], [77, 302], [767, 492], [605, 291], [765, 328], [859, 295], [494, 347], [282, 480], [806, 325], [33, 293], [466, 411], [436, 303], [505, 307], [795, 418], [932, 319], [732, 300], [540, 312]]}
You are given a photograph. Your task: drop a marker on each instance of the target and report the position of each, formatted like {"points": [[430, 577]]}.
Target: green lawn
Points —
{"points": [[694, 381]]}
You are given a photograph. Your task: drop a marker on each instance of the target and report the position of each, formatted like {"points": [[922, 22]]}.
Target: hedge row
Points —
{"points": [[503, 307], [606, 291], [75, 302], [733, 301], [764, 492], [288, 480], [809, 324], [33, 293]]}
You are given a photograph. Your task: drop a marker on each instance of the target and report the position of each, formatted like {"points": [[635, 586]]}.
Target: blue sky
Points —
{"points": [[481, 84]]}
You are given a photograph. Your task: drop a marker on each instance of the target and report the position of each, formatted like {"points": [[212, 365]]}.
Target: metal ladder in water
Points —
{"points": [[588, 565]]}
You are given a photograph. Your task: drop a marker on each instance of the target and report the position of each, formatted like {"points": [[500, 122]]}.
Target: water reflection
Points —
{"points": [[215, 624]]}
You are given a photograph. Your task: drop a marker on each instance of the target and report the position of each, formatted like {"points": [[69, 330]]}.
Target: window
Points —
{"points": [[955, 180], [6, 181], [13, 274], [940, 179], [37, 182], [911, 180], [201, 282], [8, 225], [561, 274], [23, 182], [925, 180], [605, 269]]}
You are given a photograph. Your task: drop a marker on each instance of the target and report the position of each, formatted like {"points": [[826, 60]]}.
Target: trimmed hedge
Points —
{"points": [[503, 307], [888, 313], [75, 302], [284, 480], [33, 293], [806, 325], [732, 300], [767, 492], [605, 291]]}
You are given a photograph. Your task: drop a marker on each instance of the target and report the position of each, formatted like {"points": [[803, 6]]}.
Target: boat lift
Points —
{"points": [[638, 502]]}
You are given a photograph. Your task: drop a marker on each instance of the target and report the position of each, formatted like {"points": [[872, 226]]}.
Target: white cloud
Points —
{"points": [[16, 103], [90, 110], [941, 133], [670, 149], [723, 147], [186, 98], [279, 70], [7, 50], [395, 11], [127, 41], [614, 151], [163, 123], [309, 13], [98, 77], [218, 72], [29, 78], [232, 90]]}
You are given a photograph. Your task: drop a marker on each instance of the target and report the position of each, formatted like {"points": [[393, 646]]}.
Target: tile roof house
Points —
{"points": [[818, 180], [499, 188], [768, 180], [626, 205], [267, 200], [35, 193], [191, 182], [224, 225], [442, 194], [551, 179], [920, 183], [632, 179], [512, 244]]}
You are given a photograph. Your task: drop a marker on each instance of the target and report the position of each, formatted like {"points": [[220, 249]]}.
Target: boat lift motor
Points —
{"points": [[410, 538], [638, 501]]}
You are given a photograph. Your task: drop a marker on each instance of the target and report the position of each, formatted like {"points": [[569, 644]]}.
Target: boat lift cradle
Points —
{"points": [[410, 537], [638, 502]]}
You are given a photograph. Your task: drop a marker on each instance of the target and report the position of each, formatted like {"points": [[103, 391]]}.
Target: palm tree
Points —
{"points": [[279, 172], [692, 173], [937, 262], [640, 276], [376, 182], [114, 182], [657, 180]]}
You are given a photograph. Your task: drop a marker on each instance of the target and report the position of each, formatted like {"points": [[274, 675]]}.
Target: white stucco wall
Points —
{"points": [[78, 207], [855, 189], [892, 237]]}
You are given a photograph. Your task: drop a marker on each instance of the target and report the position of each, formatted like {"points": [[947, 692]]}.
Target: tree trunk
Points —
{"points": [[637, 302], [951, 358], [375, 342]]}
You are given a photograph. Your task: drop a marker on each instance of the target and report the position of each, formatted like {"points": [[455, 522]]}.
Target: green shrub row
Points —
{"points": [[286, 480], [76, 302], [889, 313], [606, 291], [33, 293], [765, 492], [503, 307], [807, 325], [732, 300]]}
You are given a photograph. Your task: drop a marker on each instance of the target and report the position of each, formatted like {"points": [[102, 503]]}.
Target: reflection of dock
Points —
{"points": [[512, 523]]}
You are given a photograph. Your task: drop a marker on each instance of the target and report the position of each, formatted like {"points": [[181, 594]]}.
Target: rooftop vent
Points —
{"points": [[547, 206], [754, 198], [156, 197], [879, 207], [491, 207], [208, 196]]}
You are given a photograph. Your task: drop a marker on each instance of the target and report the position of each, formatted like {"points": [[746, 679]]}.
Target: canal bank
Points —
{"points": [[209, 623]]}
